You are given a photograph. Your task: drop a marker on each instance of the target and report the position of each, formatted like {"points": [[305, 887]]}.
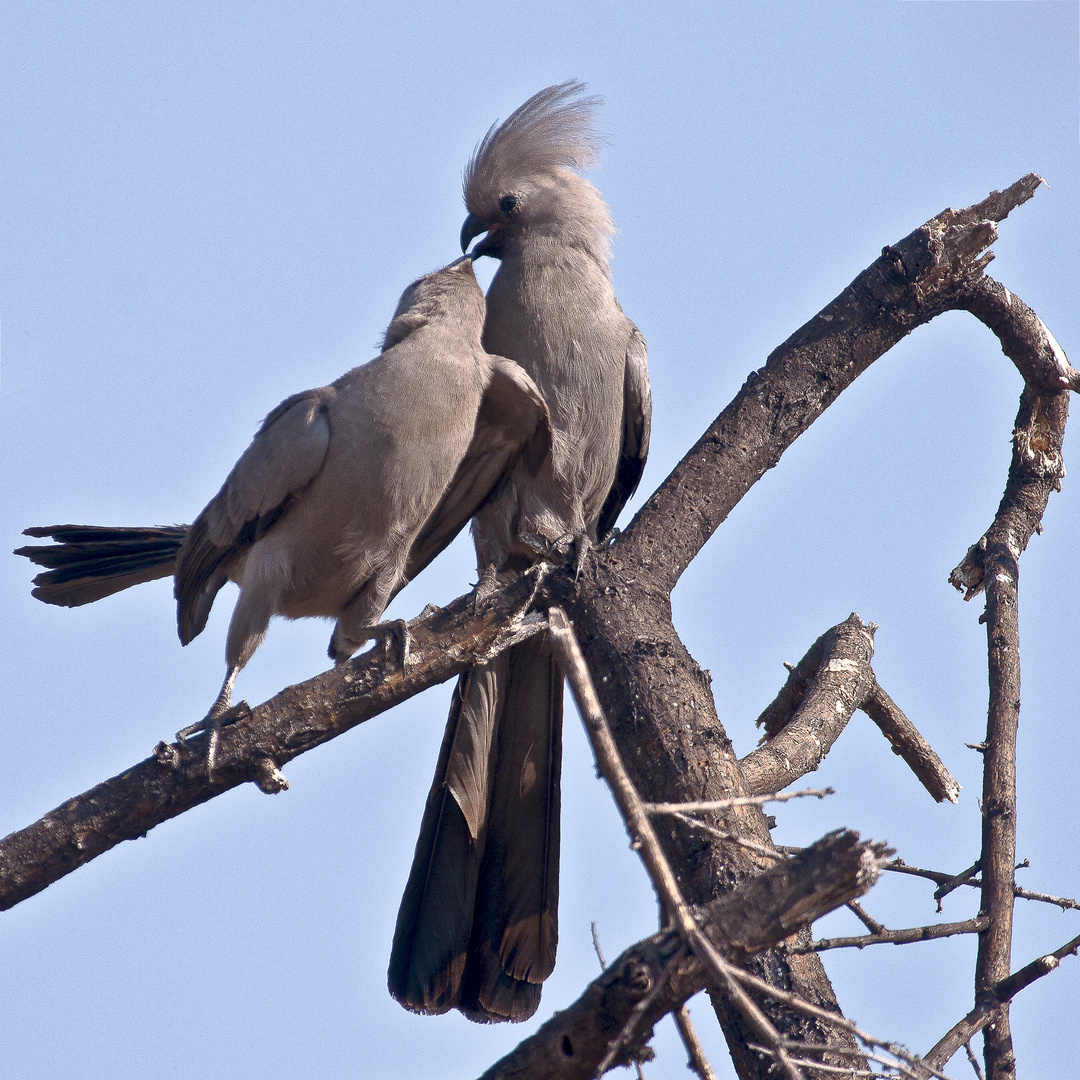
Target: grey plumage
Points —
{"points": [[477, 928], [346, 491]]}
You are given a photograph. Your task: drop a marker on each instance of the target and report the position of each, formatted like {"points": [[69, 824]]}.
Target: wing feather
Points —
{"points": [[284, 457], [637, 424], [512, 423]]}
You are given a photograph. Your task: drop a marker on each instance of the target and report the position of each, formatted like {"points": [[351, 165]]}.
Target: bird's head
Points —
{"points": [[449, 298], [524, 180]]}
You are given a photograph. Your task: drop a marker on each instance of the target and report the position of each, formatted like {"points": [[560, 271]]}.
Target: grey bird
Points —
{"points": [[478, 924], [345, 493]]}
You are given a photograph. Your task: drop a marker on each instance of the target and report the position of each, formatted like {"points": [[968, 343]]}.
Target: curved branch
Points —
{"points": [[816, 702], [992, 565], [911, 283], [840, 684]]}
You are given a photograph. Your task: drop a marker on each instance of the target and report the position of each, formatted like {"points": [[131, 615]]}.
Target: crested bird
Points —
{"points": [[478, 923], [345, 493]]}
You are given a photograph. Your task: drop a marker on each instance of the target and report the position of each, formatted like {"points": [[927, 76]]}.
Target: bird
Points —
{"points": [[477, 928], [345, 494]]}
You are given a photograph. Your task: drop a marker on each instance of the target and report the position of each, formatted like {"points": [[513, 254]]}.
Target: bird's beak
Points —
{"points": [[472, 228]]}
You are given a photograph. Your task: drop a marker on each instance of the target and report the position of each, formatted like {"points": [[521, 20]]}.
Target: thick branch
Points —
{"points": [[815, 704], [910, 284], [444, 643], [841, 682], [658, 700], [759, 913]]}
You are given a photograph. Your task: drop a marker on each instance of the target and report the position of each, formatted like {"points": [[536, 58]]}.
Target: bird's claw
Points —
{"points": [[220, 715], [582, 548], [486, 587], [391, 630]]}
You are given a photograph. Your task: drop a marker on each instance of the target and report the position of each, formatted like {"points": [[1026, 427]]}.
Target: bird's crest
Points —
{"points": [[553, 130]]}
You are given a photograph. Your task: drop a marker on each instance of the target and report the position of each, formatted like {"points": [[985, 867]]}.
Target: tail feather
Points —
{"points": [[89, 562], [434, 923], [515, 922], [479, 920]]}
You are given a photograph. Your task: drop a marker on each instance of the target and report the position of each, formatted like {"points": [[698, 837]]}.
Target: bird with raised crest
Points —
{"points": [[478, 924]]}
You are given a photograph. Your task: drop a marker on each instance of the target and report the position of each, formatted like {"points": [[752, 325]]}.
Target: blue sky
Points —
{"points": [[205, 208]]}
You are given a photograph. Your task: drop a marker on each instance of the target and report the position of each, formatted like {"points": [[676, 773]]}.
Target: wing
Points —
{"points": [[283, 458], [512, 424], [637, 422]]}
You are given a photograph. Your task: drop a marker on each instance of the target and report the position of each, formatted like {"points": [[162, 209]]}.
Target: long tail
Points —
{"points": [[89, 561], [478, 923]]}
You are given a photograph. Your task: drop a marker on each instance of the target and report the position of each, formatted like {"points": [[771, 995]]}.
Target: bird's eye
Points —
{"points": [[507, 203]]}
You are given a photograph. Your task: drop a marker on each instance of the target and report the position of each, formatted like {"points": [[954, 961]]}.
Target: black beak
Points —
{"points": [[472, 228]]}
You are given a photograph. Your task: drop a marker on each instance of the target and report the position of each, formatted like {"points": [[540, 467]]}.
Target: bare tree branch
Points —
{"points": [[759, 913], [900, 937], [906, 741], [610, 766], [1003, 992], [913, 281], [815, 704], [839, 683], [1035, 470], [696, 1060], [444, 643], [659, 703], [898, 866]]}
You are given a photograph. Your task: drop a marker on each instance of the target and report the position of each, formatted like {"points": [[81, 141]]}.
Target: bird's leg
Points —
{"points": [[486, 587], [221, 712]]}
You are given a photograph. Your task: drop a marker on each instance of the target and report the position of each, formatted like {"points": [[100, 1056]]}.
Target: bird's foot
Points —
{"points": [[221, 714], [486, 587], [395, 630], [582, 549]]}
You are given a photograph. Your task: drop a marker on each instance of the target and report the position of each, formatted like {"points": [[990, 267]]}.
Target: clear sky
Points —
{"points": [[206, 207]]}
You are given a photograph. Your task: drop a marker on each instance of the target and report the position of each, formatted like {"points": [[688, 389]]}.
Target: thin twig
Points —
{"points": [[603, 965], [962, 878], [727, 804], [596, 947], [798, 1004], [867, 920], [974, 1061], [899, 937], [696, 1061], [898, 866], [1063, 902], [901, 1062], [720, 834]]}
